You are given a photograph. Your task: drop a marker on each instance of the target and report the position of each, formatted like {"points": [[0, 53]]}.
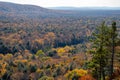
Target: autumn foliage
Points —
{"points": [[87, 77], [75, 74]]}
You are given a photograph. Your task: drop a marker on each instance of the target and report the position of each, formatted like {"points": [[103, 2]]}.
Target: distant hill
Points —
{"points": [[31, 11], [85, 8], [11, 10], [11, 7]]}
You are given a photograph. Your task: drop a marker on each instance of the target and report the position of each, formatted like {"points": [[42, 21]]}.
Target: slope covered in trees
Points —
{"points": [[38, 43], [65, 63], [33, 28]]}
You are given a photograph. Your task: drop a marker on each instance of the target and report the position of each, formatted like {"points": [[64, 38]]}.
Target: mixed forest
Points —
{"points": [[44, 44]]}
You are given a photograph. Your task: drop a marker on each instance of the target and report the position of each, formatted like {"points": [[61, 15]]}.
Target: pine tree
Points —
{"points": [[100, 51]]}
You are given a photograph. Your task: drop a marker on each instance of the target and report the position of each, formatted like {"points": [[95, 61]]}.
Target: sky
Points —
{"points": [[69, 3]]}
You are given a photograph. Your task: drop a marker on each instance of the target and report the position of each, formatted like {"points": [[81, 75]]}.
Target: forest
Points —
{"points": [[44, 44]]}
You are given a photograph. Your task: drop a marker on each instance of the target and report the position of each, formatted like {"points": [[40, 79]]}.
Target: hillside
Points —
{"points": [[29, 26], [12, 7], [31, 11], [45, 44]]}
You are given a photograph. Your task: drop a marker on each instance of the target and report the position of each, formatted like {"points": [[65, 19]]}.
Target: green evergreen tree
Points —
{"points": [[100, 51]]}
